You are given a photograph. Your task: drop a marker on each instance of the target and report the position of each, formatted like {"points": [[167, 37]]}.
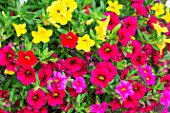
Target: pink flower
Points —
{"points": [[44, 74], [107, 51], [124, 36], [148, 49], [124, 89], [99, 90], [79, 84], [73, 92], [150, 79], [99, 108], [26, 75], [129, 102], [137, 2], [165, 98], [114, 20], [144, 71], [101, 77], [7, 56], [130, 24], [55, 97], [141, 10], [37, 98], [59, 81]]}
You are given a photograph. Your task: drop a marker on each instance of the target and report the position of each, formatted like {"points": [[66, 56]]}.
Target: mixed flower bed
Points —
{"points": [[81, 56]]}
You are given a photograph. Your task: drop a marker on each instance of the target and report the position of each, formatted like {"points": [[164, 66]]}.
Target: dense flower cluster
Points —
{"points": [[85, 56]]}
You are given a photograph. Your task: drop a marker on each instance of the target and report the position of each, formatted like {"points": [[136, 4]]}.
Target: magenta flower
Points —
{"points": [[141, 10], [7, 56], [26, 75], [99, 108], [114, 20], [124, 89], [124, 36], [37, 98], [150, 79], [139, 90], [165, 98], [139, 59], [59, 81], [144, 71], [44, 74], [79, 84], [107, 51], [130, 24]]}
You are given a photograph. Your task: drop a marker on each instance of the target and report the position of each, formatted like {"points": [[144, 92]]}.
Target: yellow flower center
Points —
{"points": [[35, 97], [28, 73], [69, 37], [107, 50], [27, 57], [56, 80], [101, 77], [55, 95], [77, 83], [145, 71], [123, 89], [147, 78], [9, 55]]}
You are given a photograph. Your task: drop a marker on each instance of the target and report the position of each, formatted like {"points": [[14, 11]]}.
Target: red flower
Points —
{"points": [[26, 59], [73, 92], [69, 40], [26, 75], [139, 90], [4, 94], [44, 74], [115, 104], [86, 9], [131, 103], [139, 59], [55, 97], [37, 98]]}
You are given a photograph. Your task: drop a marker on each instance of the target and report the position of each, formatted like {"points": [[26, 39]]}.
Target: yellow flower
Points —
{"points": [[166, 17], [20, 29], [41, 35], [9, 72], [59, 12], [102, 28], [88, 22], [85, 43], [159, 29], [158, 8], [162, 45], [71, 4], [114, 7]]}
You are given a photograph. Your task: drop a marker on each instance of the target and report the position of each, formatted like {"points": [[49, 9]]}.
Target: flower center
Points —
{"points": [[55, 95], [69, 37], [77, 83], [145, 71], [28, 73], [123, 89], [72, 62], [56, 80], [85, 41], [35, 97], [58, 11], [101, 77], [4, 95], [136, 88], [107, 50], [27, 57], [147, 78], [9, 55]]}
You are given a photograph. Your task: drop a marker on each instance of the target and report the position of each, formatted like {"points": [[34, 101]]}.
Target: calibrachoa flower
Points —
{"points": [[37, 98], [79, 84], [165, 98], [114, 20], [102, 28], [84, 43], [158, 8], [44, 74], [41, 35], [114, 7], [139, 90], [115, 104], [107, 51], [101, 77], [124, 89], [20, 28], [69, 40], [26, 59], [26, 75], [4, 94], [139, 59], [145, 70], [166, 16], [99, 108], [55, 97], [124, 36], [59, 81], [7, 56], [150, 79]]}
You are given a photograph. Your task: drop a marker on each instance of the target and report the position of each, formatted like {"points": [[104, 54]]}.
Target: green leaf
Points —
{"points": [[62, 30], [7, 84], [115, 29], [37, 13], [70, 110]]}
